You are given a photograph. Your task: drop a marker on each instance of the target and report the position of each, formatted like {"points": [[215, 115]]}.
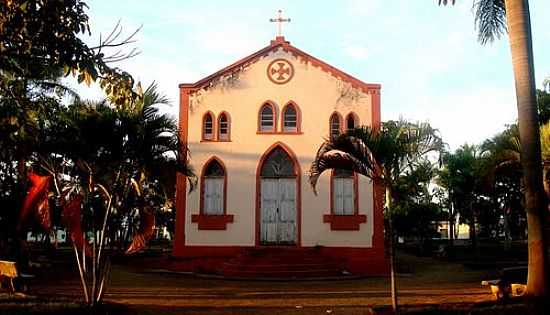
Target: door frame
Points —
{"points": [[298, 177]]}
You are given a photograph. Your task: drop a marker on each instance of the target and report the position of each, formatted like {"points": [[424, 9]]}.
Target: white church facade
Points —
{"points": [[253, 129]]}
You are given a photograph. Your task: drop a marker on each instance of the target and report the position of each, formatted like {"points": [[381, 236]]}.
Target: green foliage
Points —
{"points": [[543, 104], [132, 152], [41, 36]]}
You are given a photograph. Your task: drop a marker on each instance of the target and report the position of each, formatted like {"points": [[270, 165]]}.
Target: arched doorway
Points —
{"points": [[278, 197]]}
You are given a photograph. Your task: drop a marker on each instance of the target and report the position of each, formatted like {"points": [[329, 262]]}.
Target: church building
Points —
{"points": [[253, 129]]}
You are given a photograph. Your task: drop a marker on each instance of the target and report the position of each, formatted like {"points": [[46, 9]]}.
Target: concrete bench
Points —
{"points": [[512, 282], [9, 273]]}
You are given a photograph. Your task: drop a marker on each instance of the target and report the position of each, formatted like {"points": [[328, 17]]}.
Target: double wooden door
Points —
{"points": [[278, 211]]}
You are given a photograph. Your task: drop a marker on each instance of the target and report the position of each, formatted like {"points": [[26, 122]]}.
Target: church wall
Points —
{"points": [[318, 94]]}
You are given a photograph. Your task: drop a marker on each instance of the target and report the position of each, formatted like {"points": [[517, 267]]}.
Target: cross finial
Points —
{"points": [[280, 20]]}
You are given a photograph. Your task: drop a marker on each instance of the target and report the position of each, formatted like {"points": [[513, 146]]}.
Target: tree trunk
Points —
{"points": [[451, 226], [519, 28], [391, 252]]}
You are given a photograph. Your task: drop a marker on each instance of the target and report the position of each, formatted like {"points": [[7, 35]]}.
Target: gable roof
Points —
{"points": [[281, 43]]}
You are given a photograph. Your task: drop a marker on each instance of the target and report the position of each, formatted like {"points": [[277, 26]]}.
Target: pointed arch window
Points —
{"points": [[208, 127], [224, 127], [335, 125], [213, 189], [351, 122], [267, 121], [291, 118]]}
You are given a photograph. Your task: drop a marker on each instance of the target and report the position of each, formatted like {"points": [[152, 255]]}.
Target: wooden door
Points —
{"points": [[278, 211]]}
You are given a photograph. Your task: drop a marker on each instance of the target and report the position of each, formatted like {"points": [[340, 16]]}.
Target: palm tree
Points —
{"points": [[493, 18], [462, 178], [111, 161], [383, 156]]}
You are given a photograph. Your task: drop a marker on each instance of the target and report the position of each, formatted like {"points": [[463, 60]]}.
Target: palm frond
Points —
{"points": [[490, 19], [344, 152], [445, 2]]}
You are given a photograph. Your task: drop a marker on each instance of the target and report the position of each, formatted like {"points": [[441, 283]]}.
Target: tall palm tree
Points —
{"points": [[493, 18], [383, 156]]}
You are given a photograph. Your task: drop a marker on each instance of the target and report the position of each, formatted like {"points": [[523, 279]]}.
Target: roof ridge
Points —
{"points": [[275, 44]]}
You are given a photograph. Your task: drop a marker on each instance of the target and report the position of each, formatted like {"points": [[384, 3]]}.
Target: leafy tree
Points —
{"points": [[462, 178], [105, 163], [384, 155], [39, 44], [415, 214], [493, 18]]}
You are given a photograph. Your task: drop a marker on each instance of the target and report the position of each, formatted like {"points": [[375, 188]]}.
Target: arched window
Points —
{"points": [[223, 127], [351, 122], [213, 188], [278, 164], [335, 127], [343, 192], [267, 118], [291, 118], [208, 126]]}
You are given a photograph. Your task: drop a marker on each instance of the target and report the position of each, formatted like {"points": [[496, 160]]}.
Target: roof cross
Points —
{"points": [[280, 20]]}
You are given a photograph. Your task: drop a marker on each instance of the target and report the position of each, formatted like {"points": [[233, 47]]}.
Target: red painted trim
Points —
{"points": [[228, 117], [345, 222], [298, 118], [355, 117], [298, 173], [276, 44], [275, 114], [181, 180], [203, 134], [340, 124], [212, 222], [358, 260], [376, 119]]}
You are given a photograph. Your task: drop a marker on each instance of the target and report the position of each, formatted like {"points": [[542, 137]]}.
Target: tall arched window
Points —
{"points": [[343, 192], [267, 118], [351, 122], [208, 126], [291, 118], [335, 125], [224, 127], [213, 188]]}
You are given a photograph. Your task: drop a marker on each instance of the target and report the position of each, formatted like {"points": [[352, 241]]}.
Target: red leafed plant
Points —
{"points": [[36, 201], [71, 218], [145, 231]]}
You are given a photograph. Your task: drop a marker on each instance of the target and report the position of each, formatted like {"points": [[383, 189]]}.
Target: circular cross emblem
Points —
{"points": [[280, 71]]}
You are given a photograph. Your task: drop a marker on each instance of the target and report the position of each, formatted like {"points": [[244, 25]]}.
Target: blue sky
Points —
{"points": [[426, 57]]}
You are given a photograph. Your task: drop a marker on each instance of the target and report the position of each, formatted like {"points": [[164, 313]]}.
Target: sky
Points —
{"points": [[426, 57]]}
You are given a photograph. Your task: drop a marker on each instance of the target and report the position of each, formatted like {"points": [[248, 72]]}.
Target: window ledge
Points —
{"points": [[279, 132], [345, 222], [212, 222]]}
